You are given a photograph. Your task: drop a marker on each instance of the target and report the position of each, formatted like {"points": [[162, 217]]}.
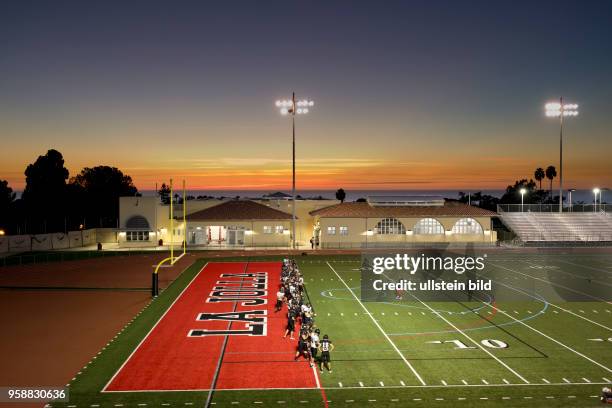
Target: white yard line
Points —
{"points": [[480, 346], [556, 284], [418, 376], [551, 304], [573, 274], [548, 337], [587, 267]]}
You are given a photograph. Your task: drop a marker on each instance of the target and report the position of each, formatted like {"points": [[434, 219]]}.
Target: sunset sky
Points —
{"points": [[408, 94]]}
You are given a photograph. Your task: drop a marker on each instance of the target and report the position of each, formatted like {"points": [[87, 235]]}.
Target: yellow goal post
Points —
{"points": [[171, 259]]}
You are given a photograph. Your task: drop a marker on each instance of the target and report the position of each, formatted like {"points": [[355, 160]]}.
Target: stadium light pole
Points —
{"points": [[522, 191], [293, 107], [560, 110], [596, 191], [569, 199]]}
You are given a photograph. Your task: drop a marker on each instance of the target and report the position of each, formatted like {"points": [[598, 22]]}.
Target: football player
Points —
{"points": [[303, 343], [290, 324], [326, 347], [314, 346]]}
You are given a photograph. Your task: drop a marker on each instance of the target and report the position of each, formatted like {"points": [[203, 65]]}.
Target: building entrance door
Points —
{"points": [[235, 237]]}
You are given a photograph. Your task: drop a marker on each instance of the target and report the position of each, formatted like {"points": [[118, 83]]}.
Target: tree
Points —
{"points": [[488, 202], [532, 196], [340, 195], [164, 193], [102, 186], [44, 193], [539, 175], [7, 197], [551, 173]]}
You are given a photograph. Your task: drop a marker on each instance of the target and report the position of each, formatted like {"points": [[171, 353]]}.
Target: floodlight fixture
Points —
{"points": [[561, 110]]}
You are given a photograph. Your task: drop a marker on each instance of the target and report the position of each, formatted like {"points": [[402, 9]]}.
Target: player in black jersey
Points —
{"points": [[290, 324], [326, 347], [303, 345]]}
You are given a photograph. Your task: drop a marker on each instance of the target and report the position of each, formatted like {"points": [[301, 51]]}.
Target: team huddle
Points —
{"points": [[309, 342]]}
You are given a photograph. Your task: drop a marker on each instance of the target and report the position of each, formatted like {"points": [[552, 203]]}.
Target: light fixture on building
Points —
{"points": [[523, 191]]}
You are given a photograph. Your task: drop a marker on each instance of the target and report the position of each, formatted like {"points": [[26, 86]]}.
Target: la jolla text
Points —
{"points": [[405, 285]]}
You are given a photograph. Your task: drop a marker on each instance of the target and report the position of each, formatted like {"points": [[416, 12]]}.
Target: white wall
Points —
{"points": [[41, 242]]}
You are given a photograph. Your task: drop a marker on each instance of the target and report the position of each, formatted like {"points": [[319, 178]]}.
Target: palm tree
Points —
{"points": [[551, 173], [539, 175], [340, 195]]}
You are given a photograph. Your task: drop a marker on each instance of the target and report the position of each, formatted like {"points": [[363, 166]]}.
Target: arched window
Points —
{"points": [[137, 228], [388, 226], [467, 226], [137, 222], [428, 226]]}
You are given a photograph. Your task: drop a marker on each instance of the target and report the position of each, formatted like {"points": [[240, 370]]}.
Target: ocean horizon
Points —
{"points": [[585, 196]]}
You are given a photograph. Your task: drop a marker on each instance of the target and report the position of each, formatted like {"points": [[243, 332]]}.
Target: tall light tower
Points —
{"points": [[596, 191], [559, 110], [293, 107]]}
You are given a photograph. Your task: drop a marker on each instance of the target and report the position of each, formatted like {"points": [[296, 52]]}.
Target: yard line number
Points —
{"points": [[459, 345]]}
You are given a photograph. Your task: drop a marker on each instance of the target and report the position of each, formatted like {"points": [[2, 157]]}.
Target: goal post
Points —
{"points": [[171, 259]]}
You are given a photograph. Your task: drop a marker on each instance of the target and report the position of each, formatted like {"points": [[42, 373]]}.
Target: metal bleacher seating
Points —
{"points": [[536, 227]]}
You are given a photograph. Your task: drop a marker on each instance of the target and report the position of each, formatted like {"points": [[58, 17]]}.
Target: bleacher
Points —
{"points": [[559, 227]]}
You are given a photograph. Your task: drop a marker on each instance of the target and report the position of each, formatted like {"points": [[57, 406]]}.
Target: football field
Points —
{"points": [[537, 350]]}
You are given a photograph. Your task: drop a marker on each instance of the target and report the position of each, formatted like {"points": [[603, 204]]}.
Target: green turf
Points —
{"points": [[546, 364]]}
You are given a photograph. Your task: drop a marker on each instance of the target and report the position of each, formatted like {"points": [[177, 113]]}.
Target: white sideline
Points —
{"points": [[379, 328], [350, 387]]}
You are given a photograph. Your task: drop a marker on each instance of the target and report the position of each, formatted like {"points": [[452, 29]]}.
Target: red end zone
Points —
{"points": [[182, 351]]}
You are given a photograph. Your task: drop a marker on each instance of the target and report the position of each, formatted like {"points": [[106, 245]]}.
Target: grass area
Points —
{"points": [[530, 352]]}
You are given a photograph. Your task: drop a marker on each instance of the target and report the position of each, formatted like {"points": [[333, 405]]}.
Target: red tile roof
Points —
{"points": [[238, 210], [365, 210]]}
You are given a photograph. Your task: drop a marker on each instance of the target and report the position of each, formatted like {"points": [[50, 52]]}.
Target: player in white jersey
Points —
{"points": [[280, 296], [314, 346]]}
